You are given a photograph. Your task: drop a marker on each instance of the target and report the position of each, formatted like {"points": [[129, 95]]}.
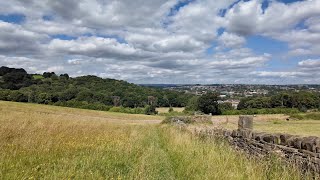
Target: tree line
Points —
{"points": [[302, 100], [90, 92]]}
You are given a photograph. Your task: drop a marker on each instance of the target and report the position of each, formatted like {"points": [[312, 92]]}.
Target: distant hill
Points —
{"points": [[50, 88], [159, 85]]}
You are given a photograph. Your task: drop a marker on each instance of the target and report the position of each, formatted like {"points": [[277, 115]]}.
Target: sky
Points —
{"points": [[165, 41]]}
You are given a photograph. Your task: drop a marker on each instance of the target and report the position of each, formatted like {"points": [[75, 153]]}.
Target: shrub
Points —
{"points": [[192, 104], [96, 106], [4, 94], [307, 116], [150, 110], [17, 97], [127, 110], [83, 105], [314, 116]]}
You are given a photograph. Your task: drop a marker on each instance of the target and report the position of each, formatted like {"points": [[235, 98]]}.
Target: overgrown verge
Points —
{"points": [[195, 157], [306, 116], [302, 152], [204, 119]]}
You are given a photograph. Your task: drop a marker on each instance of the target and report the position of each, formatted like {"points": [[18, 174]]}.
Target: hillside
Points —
{"points": [[46, 142], [89, 92]]}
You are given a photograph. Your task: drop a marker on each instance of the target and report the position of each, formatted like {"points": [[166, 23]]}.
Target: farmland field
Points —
{"points": [[275, 124], [166, 109], [45, 142]]}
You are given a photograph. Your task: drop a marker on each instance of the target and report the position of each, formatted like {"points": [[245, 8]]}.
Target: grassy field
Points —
{"points": [[166, 109], [277, 124], [38, 77], [45, 142]]}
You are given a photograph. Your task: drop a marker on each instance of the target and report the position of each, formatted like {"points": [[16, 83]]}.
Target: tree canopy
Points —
{"points": [[66, 91]]}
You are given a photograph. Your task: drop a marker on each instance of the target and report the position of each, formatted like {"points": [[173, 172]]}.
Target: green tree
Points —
{"points": [[208, 103], [193, 104], [225, 106]]}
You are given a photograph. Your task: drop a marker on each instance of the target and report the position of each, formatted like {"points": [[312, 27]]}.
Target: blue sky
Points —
{"points": [[166, 41]]}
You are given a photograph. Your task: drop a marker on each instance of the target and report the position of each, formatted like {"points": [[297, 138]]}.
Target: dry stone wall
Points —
{"points": [[302, 151], [202, 119]]}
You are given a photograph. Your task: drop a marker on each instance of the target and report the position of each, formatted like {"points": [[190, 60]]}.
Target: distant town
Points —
{"points": [[232, 93]]}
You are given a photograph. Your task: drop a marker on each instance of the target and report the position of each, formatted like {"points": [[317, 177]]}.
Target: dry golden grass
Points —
{"points": [[275, 124], [29, 110], [166, 109], [44, 142]]}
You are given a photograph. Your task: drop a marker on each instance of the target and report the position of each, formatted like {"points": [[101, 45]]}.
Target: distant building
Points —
{"points": [[234, 102], [222, 96]]}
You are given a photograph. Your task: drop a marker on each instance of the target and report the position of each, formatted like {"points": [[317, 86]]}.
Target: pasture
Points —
{"points": [[274, 124], [166, 109], [46, 142]]}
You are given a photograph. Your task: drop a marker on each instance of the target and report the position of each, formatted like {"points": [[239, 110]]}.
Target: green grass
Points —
{"points": [[306, 116], [294, 127], [38, 77], [44, 142]]}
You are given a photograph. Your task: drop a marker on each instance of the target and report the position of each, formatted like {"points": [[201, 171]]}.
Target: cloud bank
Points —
{"points": [[164, 41]]}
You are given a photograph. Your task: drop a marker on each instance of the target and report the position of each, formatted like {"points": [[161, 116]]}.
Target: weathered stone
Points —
{"points": [[245, 133], [284, 138], [267, 138], [245, 122], [311, 143], [227, 133], [290, 140], [304, 152], [309, 153], [288, 149], [296, 142], [202, 119], [258, 136], [234, 133]]}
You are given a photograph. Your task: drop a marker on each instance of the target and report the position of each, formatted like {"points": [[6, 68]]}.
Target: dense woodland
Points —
{"points": [[89, 92], [92, 92], [300, 100]]}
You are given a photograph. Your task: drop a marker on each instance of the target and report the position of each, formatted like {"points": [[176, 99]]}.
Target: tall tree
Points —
{"points": [[208, 103]]}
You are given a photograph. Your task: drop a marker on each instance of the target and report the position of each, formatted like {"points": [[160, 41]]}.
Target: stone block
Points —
{"points": [[284, 138], [258, 136], [311, 143], [245, 122], [297, 142], [245, 133]]}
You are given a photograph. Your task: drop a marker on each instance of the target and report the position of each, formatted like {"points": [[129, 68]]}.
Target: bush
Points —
{"points": [[225, 106], [192, 104], [127, 110], [43, 98], [314, 116], [17, 97], [150, 110], [4, 94], [296, 116], [83, 105], [307, 116]]}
